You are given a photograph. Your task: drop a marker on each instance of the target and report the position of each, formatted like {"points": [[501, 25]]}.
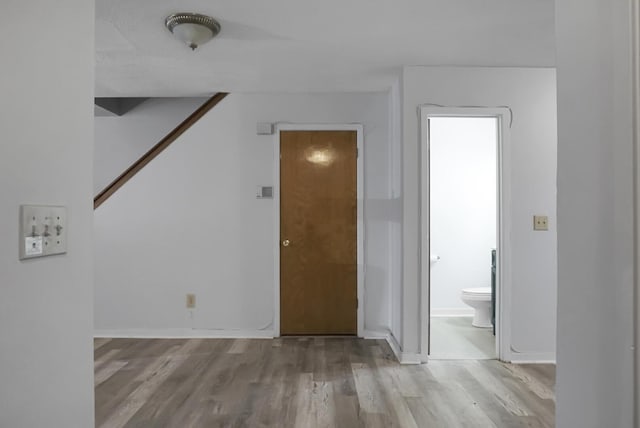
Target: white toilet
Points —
{"points": [[480, 300]]}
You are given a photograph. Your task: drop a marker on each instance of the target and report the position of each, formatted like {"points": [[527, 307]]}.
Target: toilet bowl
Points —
{"points": [[480, 300]]}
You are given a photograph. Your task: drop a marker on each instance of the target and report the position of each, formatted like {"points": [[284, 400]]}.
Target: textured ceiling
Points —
{"points": [[300, 45]]}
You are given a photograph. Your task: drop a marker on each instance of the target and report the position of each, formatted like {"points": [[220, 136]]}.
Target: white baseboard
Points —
{"points": [[402, 357], [183, 333], [532, 357], [451, 312], [409, 358], [395, 346], [187, 333], [375, 334]]}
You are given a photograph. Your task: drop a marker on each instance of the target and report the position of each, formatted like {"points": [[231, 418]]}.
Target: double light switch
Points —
{"points": [[43, 231]]}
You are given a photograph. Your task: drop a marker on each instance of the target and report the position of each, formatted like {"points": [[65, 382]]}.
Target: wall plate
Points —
{"points": [[264, 192], [264, 128], [540, 222], [43, 231]]}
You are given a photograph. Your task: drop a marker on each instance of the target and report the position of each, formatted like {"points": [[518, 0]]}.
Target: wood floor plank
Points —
{"points": [[149, 380], [138, 354], [314, 403], [461, 402], [107, 370], [537, 386], [309, 382], [510, 401], [543, 373], [239, 346], [485, 397], [98, 342], [108, 356], [111, 345], [177, 390], [369, 395]]}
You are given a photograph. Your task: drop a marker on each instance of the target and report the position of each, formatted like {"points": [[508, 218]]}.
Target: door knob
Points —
{"points": [[285, 243]]}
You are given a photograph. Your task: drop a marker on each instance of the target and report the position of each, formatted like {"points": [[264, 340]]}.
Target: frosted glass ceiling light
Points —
{"points": [[192, 28]]}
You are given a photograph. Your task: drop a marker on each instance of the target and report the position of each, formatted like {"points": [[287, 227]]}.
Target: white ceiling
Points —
{"points": [[303, 45]]}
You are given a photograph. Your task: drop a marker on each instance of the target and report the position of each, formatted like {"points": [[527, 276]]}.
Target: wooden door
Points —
{"points": [[318, 232]]}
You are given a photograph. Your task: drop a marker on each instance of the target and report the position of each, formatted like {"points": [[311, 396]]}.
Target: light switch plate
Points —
{"points": [[264, 128], [43, 231], [540, 222], [264, 192]]}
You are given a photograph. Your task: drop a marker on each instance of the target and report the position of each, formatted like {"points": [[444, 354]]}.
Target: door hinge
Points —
{"points": [[357, 152], [357, 303]]}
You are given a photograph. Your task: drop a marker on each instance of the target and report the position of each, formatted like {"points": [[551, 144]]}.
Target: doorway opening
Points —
{"points": [[463, 240], [462, 179]]}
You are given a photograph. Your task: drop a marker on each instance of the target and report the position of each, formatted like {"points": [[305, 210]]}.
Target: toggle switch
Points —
{"points": [[36, 231]]}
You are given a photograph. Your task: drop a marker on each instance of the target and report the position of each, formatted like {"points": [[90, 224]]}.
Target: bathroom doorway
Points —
{"points": [[462, 231]]}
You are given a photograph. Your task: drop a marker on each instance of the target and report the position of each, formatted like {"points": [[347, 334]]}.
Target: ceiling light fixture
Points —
{"points": [[192, 28]]}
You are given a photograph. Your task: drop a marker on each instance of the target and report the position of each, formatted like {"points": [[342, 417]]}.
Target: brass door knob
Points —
{"points": [[285, 243]]}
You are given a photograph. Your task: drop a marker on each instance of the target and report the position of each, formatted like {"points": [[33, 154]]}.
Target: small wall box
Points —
{"points": [[43, 231]]}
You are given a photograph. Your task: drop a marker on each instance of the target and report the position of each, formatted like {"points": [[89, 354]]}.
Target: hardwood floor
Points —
{"points": [[308, 382]]}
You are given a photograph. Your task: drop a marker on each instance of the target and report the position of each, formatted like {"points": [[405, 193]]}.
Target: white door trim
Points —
{"points": [[635, 58], [360, 215], [503, 274]]}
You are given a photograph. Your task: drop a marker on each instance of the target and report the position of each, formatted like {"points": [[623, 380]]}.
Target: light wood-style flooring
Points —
{"points": [[308, 382]]}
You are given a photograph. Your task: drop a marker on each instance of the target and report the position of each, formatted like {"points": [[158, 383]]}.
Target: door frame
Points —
{"points": [[503, 253], [359, 218], [635, 62]]}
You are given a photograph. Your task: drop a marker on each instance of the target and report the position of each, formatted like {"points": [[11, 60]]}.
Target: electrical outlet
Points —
{"points": [[540, 222], [191, 301]]}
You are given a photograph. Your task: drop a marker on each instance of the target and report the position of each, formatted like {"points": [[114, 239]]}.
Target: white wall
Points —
{"points": [[46, 117], [190, 222], [121, 140], [595, 215], [531, 94], [463, 207]]}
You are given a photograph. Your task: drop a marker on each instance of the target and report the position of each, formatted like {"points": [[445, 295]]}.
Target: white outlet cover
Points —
{"points": [[540, 222]]}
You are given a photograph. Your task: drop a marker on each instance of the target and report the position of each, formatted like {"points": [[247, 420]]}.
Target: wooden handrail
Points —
{"points": [[157, 149]]}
